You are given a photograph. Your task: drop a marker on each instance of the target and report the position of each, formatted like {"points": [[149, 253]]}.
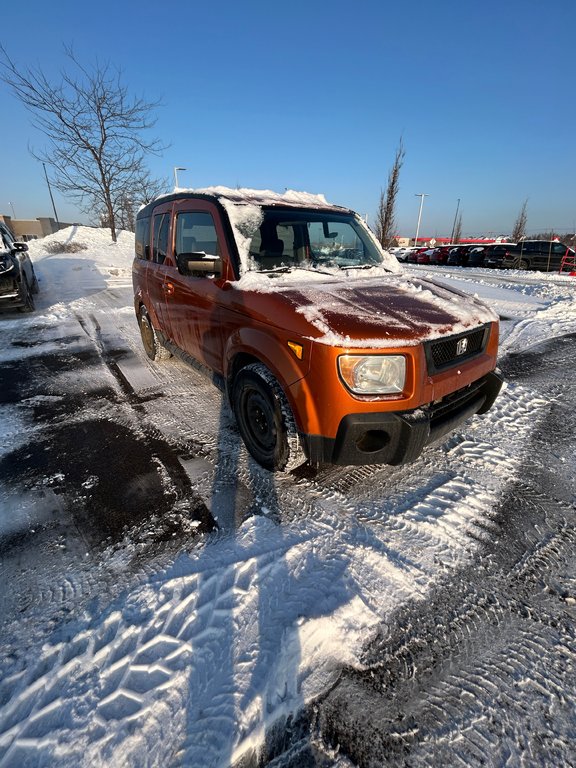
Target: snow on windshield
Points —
{"points": [[331, 240]]}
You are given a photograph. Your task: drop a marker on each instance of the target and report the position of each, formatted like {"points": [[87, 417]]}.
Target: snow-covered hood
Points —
{"points": [[374, 312]]}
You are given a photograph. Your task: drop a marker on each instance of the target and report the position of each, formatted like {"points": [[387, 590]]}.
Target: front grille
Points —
{"points": [[449, 351]]}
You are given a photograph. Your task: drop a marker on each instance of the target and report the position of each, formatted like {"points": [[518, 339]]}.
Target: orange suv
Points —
{"points": [[328, 350]]}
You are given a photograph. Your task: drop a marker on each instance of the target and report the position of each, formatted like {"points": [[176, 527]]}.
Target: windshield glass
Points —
{"points": [[289, 239]]}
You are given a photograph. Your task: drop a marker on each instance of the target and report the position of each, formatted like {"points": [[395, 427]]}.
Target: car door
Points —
{"points": [[194, 300], [160, 268]]}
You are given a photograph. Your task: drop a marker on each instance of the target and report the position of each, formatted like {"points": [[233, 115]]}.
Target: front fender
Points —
{"points": [[272, 350]]}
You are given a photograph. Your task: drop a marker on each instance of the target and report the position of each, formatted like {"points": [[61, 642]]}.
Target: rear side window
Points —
{"points": [[143, 237], [161, 233], [196, 232]]}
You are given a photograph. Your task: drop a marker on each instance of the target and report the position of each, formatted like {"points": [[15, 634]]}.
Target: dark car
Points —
{"points": [[476, 256], [495, 253], [17, 279], [458, 256], [544, 255]]}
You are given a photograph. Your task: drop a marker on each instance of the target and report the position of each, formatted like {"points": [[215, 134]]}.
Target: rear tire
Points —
{"points": [[265, 419], [150, 342]]}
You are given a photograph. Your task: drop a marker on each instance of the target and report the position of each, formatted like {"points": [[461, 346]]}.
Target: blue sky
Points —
{"points": [[315, 96]]}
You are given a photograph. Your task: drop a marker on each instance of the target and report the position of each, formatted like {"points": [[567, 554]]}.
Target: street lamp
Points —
{"points": [[50, 191], [455, 219], [421, 195], [176, 175]]}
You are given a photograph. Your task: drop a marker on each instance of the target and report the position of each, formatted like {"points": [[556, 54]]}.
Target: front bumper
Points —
{"points": [[398, 438]]}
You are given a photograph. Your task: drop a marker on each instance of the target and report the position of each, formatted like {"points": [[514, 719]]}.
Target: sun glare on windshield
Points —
{"points": [[311, 240]]}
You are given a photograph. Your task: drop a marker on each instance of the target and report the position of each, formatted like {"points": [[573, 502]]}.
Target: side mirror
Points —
{"points": [[199, 264], [22, 247]]}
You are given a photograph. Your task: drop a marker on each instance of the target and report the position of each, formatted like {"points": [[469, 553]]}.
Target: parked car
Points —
{"points": [[458, 256], [544, 255], [440, 255], [412, 257], [327, 350], [495, 253], [400, 253], [425, 256], [18, 281], [476, 256]]}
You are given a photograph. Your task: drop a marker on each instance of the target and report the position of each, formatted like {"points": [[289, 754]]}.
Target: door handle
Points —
{"points": [[168, 289]]}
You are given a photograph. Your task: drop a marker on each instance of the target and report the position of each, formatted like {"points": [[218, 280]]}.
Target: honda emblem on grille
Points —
{"points": [[462, 346]]}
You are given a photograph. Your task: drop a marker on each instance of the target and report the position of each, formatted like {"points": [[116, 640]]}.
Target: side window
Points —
{"points": [[286, 234], [559, 248], [196, 232], [142, 244], [161, 232]]}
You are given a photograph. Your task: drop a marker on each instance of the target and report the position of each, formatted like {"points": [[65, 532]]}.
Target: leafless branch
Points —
{"points": [[96, 132]]}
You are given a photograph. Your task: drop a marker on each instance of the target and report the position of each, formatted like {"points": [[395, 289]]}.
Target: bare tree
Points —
{"points": [[95, 130], [519, 229], [385, 218], [126, 201], [457, 230]]}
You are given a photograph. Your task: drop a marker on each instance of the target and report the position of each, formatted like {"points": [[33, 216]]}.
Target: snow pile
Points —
{"points": [[79, 261], [95, 242]]}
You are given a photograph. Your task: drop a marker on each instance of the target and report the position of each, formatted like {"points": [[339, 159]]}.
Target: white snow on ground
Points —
{"points": [[187, 659]]}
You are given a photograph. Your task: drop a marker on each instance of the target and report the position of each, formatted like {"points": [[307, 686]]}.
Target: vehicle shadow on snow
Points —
{"points": [[252, 678], [253, 670]]}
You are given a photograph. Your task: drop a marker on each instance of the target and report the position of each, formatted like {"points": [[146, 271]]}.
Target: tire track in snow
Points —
{"points": [[483, 673]]}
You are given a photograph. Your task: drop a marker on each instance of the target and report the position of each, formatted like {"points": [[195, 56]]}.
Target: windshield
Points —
{"points": [[289, 239]]}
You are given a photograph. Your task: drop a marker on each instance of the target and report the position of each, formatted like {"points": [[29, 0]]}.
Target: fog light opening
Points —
{"points": [[372, 441]]}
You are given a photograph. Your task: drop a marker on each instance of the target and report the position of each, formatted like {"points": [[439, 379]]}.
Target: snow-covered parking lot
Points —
{"points": [[167, 602]]}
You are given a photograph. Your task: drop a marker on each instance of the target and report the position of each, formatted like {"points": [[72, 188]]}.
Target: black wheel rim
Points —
{"points": [[257, 415]]}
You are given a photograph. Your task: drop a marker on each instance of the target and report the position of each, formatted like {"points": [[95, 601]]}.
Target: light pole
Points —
{"points": [[50, 191], [176, 169], [455, 219], [12, 206], [421, 195]]}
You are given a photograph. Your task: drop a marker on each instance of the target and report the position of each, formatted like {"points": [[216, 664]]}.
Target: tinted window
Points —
{"points": [[196, 232], [161, 231], [143, 238], [559, 248]]}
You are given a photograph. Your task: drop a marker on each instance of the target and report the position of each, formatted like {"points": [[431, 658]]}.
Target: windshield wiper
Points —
{"points": [[274, 269], [283, 270], [358, 266]]}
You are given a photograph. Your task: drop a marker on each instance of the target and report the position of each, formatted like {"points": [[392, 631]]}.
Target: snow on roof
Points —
{"points": [[246, 196]]}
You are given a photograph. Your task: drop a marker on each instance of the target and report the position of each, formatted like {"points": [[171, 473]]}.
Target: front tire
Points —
{"points": [[150, 342], [265, 419], [520, 264], [26, 294]]}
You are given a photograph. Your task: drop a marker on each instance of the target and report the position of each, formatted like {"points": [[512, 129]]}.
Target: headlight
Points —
{"points": [[373, 374]]}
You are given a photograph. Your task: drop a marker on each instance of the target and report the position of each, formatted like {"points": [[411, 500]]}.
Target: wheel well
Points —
{"points": [[241, 360]]}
